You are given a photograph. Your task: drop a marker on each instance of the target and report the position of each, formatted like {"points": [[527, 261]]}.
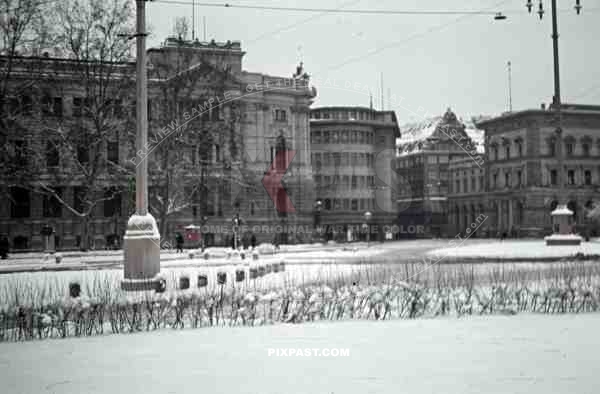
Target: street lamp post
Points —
{"points": [[368, 216], [561, 216], [236, 223], [318, 205], [142, 239]]}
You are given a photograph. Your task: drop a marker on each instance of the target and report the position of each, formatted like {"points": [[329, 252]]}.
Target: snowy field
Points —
{"points": [[516, 249], [529, 354]]}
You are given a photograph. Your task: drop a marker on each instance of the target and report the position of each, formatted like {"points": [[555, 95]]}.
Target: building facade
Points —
{"points": [[522, 173], [214, 132], [425, 154], [352, 149]]}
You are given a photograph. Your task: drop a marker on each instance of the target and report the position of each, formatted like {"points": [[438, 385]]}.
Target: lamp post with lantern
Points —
{"points": [[562, 215]]}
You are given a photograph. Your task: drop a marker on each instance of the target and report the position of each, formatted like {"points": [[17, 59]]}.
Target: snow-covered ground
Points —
{"points": [[293, 254], [516, 249], [530, 354]]}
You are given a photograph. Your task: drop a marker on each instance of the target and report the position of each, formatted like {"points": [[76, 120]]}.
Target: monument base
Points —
{"points": [[141, 249], [563, 239]]}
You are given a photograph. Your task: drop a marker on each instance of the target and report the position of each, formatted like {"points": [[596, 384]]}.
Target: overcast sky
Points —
{"points": [[431, 61]]}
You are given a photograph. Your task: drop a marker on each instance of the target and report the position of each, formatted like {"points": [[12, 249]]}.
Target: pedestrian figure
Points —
{"points": [[4, 247], [253, 241], [179, 242]]}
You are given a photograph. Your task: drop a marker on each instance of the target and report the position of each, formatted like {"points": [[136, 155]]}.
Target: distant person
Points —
{"points": [[179, 242], [4, 247], [253, 241]]}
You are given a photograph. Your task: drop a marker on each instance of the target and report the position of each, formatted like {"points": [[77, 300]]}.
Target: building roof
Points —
{"points": [[566, 109], [379, 117], [421, 136]]}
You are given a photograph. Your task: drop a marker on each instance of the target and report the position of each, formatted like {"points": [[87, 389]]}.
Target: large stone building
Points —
{"points": [[522, 173], [424, 154], [352, 151], [214, 130]]}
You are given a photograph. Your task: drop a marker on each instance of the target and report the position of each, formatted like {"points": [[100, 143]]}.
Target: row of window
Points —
{"points": [[345, 181], [464, 186], [570, 149], [348, 204], [20, 206], [344, 115], [342, 158], [344, 137], [84, 106], [571, 178]]}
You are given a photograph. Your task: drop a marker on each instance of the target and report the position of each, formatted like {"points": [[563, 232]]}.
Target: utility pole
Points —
{"points": [[193, 19], [142, 239]]}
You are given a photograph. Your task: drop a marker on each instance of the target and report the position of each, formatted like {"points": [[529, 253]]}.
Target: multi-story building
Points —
{"points": [[212, 127], [522, 173], [352, 149], [424, 156]]}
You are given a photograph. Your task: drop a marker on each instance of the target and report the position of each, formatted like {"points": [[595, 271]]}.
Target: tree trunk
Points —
{"points": [[85, 230]]}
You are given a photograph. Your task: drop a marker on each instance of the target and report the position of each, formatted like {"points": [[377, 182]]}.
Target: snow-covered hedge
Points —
{"points": [[101, 309]]}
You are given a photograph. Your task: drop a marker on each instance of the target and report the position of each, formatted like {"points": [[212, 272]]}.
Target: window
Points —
{"points": [[327, 204], [150, 113], [473, 184], [587, 175], [553, 177], [326, 137], [46, 105], [519, 178], [77, 106], [382, 140], [112, 202], [571, 177], [495, 181], [52, 157], [217, 153], [507, 179], [281, 115], [552, 147], [520, 148], [570, 148], [457, 188], [585, 149], [507, 152], [51, 205], [346, 204], [495, 150], [355, 205], [353, 182], [19, 152], [317, 137], [26, 105], [79, 197], [83, 153], [19, 203], [112, 151]]}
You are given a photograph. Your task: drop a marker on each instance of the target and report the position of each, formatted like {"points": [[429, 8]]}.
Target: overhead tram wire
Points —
{"points": [[358, 11], [330, 10]]}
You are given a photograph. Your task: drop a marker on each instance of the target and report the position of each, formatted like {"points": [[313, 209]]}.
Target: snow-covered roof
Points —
{"points": [[424, 134]]}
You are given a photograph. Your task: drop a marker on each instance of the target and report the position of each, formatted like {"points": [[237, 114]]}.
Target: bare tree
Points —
{"points": [[195, 137], [81, 149]]}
